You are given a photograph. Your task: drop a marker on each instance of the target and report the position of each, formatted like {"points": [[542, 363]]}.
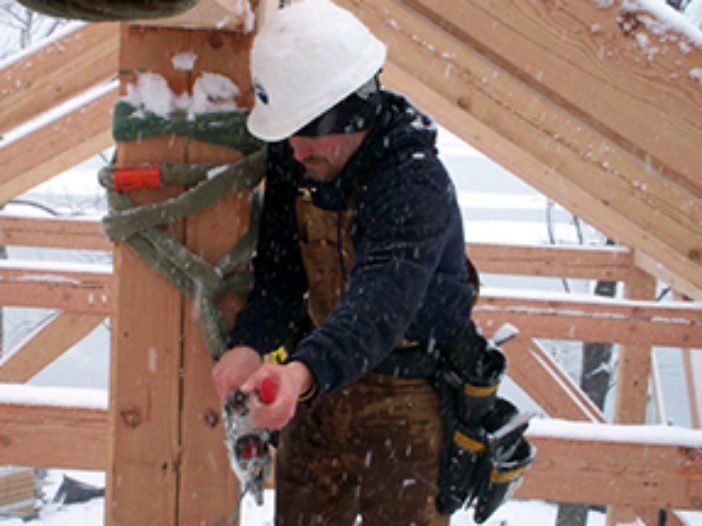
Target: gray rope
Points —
{"points": [[141, 226]]}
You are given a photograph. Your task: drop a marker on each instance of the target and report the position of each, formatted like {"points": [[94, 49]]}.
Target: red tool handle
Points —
{"points": [[267, 390], [128, 178]]}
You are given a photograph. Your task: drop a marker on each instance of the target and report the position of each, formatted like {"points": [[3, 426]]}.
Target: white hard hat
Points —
{"points": [[306, 58]]}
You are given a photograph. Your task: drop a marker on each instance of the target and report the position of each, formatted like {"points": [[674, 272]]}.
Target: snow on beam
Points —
{"points": [[35, 157], [56, 71], [640, 466], [548, 145], [584, 318], [72, 287], [53, 427]]}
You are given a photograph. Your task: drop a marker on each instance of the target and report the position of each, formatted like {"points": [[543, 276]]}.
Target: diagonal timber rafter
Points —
{"points": [[56, 72], [564, 155]]}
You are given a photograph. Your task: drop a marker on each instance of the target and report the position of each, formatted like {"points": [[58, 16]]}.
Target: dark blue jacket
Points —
{"points": [[409, 278]]}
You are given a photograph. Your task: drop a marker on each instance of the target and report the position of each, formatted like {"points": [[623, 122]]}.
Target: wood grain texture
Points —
{"points": [[539, 139], [56, 72]]}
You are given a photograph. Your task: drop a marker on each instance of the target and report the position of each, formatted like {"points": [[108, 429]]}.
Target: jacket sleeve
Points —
{"points": [[403, 215], [275, 303]]}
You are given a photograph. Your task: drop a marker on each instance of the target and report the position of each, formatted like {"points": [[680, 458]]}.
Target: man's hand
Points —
{"points": [[233, 368], [292, 380]]}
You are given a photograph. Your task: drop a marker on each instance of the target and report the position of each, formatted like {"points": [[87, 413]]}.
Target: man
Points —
{"points": [[361, 230]]}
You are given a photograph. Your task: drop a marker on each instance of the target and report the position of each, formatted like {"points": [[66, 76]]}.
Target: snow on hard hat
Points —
{"points": [[307, 58]]}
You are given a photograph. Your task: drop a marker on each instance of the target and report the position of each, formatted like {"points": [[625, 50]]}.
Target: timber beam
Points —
{"points": [[638, 466], [56, 146], [538, 374], [50, 232], [567, 317], [69, 287], [175, 453], [53, 436], [597, 263], [46, 344], [466, 63], [56, 72], [576, 456]]}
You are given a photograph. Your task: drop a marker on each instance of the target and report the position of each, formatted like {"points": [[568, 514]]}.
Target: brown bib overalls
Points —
{"points": [[370, 449]]}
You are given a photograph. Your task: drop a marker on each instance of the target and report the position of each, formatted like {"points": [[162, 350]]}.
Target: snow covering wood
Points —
{"points": [[27, 395], [615, 465]]}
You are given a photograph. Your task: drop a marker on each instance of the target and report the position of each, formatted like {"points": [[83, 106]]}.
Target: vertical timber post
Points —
{"points": [[168, 464], [633, 374]]}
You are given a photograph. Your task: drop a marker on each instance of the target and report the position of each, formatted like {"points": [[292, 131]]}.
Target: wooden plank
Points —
{"points": [[56, 146], [676, 282], [562, 318], [692, 366], [647, 101], [546, 383], [146, 347], [49, 342], [68, 287], [17, 492], [622, 473], [54, 73], [611, 264], [48, 436], [79, 234], [208, 488], [541, 142], [634, 361], [633, 382], [582, 469]]}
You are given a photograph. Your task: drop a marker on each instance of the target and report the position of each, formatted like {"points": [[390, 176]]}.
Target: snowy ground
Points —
{"points": [[515, 513]]}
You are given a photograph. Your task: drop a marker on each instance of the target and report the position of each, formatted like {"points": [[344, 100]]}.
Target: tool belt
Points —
{"points": [[485, 453]]}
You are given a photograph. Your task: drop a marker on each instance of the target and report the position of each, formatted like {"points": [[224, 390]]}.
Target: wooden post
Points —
{"points": [[692, 368], [633, 373], [692, 365], [168, 465], [208, 487]]}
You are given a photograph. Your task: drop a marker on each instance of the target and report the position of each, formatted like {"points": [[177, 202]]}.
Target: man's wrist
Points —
{"points": [[246, 350], [302, 378]]}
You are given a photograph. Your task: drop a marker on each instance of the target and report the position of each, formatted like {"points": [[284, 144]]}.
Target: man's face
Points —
{"points": [[325, 157]]}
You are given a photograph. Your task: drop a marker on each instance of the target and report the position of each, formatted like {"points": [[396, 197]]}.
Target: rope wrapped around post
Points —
{"points": [[140, 226], [109, 10]]}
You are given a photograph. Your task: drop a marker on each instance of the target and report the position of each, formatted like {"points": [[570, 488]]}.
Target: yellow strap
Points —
{"points": [[307, 395], [478, 391], [503, 477], [468, 443]]}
